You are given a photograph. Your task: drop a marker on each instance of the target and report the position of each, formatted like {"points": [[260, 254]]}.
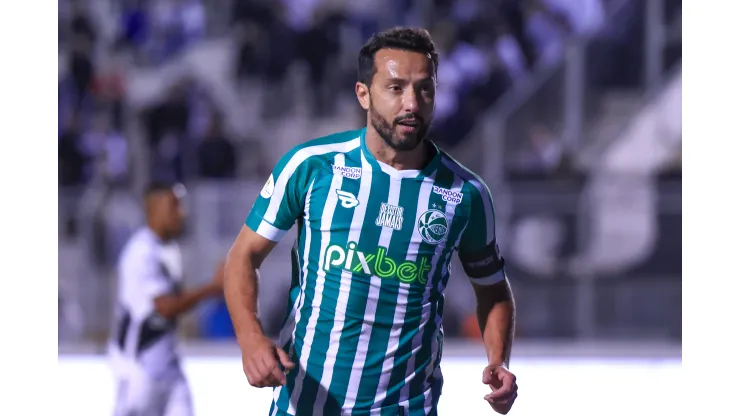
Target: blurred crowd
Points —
{"points": [[485, 46]]}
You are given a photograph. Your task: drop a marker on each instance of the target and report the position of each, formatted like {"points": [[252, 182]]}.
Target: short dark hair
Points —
{"points": [[159, 186], [403, 38]]}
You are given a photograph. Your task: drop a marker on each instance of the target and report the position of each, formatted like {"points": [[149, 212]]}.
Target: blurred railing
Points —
{"points": [[574, 100], [564, 288]]}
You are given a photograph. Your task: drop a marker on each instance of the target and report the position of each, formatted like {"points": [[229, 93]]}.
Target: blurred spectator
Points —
{"points": [[585, 17], [171, 115], [280, 55], [80, 24], [318, 48], [107, 148], [167, 129], [547, 30], [135, 24], [81, 69], [542, 152], [216, 154], [509, 52], [72, 159]]}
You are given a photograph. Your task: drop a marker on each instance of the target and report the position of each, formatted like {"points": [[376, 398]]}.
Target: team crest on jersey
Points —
{"points": [[432, 226], [268, 189], [448, 195], [390, 216], [347, 172]]}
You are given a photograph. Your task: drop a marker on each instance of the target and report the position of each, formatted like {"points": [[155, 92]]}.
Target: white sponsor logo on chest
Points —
{"points": [[347, 172]]}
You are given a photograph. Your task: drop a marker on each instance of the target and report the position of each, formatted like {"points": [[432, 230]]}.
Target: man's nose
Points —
{"points": [[410, 101]]}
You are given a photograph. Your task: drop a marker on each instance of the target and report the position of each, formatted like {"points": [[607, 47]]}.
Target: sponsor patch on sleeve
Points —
{"points": [[268, 189]]}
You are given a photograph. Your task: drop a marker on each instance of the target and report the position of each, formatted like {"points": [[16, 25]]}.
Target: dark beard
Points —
{"points": [[385, 130]]}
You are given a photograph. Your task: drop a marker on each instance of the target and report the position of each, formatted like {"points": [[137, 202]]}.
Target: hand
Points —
{"points": [[262, 360], [503, 388]]}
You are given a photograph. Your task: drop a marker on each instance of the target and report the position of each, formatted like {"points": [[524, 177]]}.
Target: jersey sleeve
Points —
{"points": [[281, 201], [478, 249]]}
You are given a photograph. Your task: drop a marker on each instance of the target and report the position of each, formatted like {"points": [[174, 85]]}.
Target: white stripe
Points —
{"points": [[358, 218], [484, 194], [370, 308], [427, 306], [289, 328], [299, 157], [270, 232], [489, 280], [328, 214], [402, 302]]}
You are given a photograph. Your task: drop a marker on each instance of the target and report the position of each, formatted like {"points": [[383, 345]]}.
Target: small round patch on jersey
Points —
{"points": [[268, 189], [432, 226]]}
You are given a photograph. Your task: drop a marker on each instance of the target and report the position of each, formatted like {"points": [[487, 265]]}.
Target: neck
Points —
{"points": [[157, 231], [414, 159]]}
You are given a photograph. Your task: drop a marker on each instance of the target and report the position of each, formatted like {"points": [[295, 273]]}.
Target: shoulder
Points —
{"points": [[343, 142], [474, 186], [318, 153], [141, 248]]}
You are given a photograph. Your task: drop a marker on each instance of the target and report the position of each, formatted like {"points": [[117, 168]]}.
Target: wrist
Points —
{"points": [[250, 330]]}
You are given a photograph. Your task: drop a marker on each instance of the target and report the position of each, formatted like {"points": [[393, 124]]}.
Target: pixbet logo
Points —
{"points": [[378, 264]]}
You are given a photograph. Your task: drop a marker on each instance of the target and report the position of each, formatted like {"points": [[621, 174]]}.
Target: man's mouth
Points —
{"points": [[410, 123]]}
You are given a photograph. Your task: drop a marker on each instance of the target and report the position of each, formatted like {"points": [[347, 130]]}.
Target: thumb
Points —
{"points": [[488, 376], [284, 359]]}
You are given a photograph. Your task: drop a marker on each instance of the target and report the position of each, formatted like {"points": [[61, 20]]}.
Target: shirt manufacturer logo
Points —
{"points": [[347, 199]]}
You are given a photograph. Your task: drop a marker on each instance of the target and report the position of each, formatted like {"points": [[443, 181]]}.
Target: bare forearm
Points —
{"points": [[171, 306], [496, 317], [241, 286]]}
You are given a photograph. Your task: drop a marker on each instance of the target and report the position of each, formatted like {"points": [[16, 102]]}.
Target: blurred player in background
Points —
{"points": [[142, 350], [380, 212]]}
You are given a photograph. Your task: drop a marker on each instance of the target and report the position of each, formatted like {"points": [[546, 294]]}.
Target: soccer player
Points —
{"points": [[380, 212], [142, 350]]}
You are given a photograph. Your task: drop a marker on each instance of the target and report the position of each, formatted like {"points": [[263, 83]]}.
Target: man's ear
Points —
{"points": [[363, 95]]}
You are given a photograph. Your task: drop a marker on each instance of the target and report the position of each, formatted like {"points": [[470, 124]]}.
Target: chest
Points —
{"points": [[378, 225]]}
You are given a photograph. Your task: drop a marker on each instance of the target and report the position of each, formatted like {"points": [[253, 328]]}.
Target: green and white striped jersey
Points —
{"points": [[370, 266]]}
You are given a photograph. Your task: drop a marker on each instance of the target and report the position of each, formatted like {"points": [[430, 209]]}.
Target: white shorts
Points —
{"points": [[139, 394]]}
